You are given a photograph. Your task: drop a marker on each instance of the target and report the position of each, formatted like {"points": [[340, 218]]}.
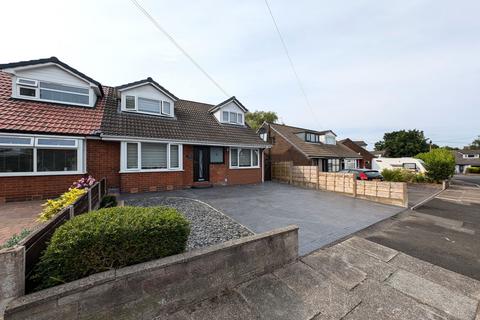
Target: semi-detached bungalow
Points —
{"points": [[57, 124], [307, 147]]}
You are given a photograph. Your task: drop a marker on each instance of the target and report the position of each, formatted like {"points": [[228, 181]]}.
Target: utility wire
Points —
{"points": [[300, 85], [179, 47]]}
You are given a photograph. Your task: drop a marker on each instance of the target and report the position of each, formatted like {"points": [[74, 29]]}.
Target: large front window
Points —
{"points": [[244, 158], [151, 156], [333, 165], [29, 155]]}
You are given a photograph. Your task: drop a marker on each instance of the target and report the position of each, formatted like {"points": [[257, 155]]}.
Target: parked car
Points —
{"points": [[365, 174]]}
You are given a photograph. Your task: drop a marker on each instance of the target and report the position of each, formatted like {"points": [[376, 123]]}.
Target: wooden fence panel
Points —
{"points": [[309, 176]]}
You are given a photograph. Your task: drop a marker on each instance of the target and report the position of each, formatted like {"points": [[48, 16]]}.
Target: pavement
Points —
{"points": [[355, 279], [16, 216], [323, 217], [444, 231]]}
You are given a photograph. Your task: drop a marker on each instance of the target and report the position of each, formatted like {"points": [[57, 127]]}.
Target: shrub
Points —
{"points": [[84, 183], [108, 201], [52, 207], [440, 164], [473, 170], [15, 239], [402, 175], [110, 238]]}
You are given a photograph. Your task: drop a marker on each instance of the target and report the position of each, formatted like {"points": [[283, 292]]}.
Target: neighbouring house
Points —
{"points": [[359, 147], [411, 164], [307, 147], [465, 159], [57, 124]]}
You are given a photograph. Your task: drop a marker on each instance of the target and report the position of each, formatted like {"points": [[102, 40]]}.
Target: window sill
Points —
{"points": [[39, 174], [151, 171], [243, 168]]}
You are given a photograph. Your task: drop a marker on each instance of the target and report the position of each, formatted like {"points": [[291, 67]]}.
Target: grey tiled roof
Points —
{"points": [[314, 150], [192, 122], [459, 159]]}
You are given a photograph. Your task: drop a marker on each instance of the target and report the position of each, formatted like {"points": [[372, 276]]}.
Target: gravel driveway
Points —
{"points": [[208, 225]]}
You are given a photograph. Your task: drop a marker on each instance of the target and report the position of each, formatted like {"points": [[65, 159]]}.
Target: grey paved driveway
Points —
{"points": [[323, 217]]}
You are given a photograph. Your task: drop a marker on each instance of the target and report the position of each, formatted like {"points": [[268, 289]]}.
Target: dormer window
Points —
{"points": [[146, 105], [51, 80], [230, 111], [52, 92], [148, 97], [330, 140]]}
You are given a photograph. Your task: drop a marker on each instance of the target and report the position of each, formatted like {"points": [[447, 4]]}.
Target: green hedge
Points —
{"points": [[440, 164], [110, 238], [402, 175], [473, 170]]}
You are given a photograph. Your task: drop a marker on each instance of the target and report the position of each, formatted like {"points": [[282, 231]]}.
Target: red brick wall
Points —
{"points": [[157, 181], [282, 150], [103, 160], [34, 188], [218, 173], [366, 162]]}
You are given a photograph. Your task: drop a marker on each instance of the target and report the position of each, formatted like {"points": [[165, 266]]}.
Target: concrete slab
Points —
{"points": [[323, 217], [324, 297], [449, 279], [434, 295], [335, 268], [271, 298], [371, 248], [381, 302], [230, 306], [374, 268]]}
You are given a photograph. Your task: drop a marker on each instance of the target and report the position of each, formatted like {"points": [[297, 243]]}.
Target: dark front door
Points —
{"points": [[201, 163]]}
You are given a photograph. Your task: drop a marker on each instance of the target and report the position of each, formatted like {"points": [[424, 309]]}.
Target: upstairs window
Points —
{"points": [[146, 105], [52, 92], [312, 137], [330, 140], [232, 117]]}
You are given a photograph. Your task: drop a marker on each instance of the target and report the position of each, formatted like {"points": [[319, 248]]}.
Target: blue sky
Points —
{"points": [[367, 66]]}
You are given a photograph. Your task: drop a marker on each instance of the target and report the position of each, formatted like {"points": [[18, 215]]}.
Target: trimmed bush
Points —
{"points": [[473, 170], [110, 238], [440, 164], [108, 201]]}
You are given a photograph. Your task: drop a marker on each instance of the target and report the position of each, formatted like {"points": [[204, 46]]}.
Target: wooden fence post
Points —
{"points": [[405, 195], [71, 212], [318, 178], [354, 185], [89, 194], [290, 168]]}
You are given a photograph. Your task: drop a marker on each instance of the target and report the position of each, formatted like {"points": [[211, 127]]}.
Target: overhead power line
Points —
{"points": [[179, 47], [284, 45]]}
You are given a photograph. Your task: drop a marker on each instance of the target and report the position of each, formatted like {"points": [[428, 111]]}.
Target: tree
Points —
{"points": [[255, 119], [440, 164], [475, 144], [403, 143]]}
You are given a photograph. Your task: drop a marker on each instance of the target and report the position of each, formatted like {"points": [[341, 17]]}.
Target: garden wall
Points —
{"points": [[394, 193], [160, 287]]}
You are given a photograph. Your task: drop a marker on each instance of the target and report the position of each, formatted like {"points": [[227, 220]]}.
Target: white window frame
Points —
{"points": [[17, 85], [238, 158], [123, 157], [161, 113], [239, 115], [80, 146]]}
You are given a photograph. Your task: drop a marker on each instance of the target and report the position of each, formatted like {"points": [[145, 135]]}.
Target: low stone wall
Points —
{"points": [[161, 287], [12, 274]]}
